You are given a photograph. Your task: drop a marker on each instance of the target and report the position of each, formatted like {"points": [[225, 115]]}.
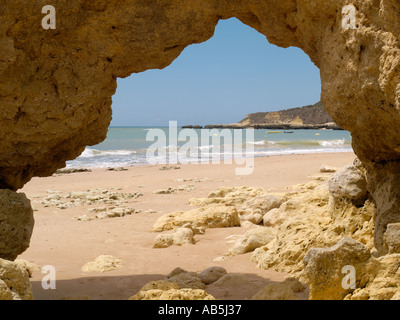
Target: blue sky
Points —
{"points": [[219, 81]]}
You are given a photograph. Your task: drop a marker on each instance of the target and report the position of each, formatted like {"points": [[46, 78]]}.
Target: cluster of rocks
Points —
{"points": [[117, 169], [311, 231], [173, 190], [329, 228], [181, 285], [16, 226], [337, 217], [184, 285], [197, 180], [66, 200], [199, 219], [319, 215], [108, 212], [224, 208], [115, 201], [14, 281], [71, 170], [166, 168]]}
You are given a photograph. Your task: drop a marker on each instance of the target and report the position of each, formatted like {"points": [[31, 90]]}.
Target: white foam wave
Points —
{"points": [[332, 143], [89, 153]]}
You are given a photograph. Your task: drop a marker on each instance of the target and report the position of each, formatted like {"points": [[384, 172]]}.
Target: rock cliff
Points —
{"points": [[308, 115]]}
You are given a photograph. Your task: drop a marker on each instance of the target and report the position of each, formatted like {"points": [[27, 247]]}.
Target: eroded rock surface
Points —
{"points": [[181, 236], [290, 289], [323, 268], [16, 224], [328, 275], [162, 290], [14, 282], [103, 263], [349, 184]]}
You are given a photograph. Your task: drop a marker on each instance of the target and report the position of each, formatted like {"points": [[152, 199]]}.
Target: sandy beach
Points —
{"points": [[67, 243]]}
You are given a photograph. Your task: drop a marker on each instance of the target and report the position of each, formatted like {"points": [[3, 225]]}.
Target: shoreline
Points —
{"points": [[68, 244], [272, 126], [208, 161]]}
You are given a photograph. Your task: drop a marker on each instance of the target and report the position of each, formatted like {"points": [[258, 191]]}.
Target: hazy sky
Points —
{"points": [[219, 81]]}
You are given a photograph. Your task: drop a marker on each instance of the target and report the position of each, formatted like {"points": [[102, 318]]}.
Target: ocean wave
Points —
{"points": [[141, 159], [90, 153], [261, 147], [202, 148], [334, 143], [267, 143], [258, 143], [310, 143]]}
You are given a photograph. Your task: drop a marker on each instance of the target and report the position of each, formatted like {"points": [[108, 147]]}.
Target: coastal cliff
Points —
{"points": [[314, 115], [307, 117]]}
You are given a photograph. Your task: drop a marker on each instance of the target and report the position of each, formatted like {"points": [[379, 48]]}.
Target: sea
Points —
{"points": [[135, 146]]}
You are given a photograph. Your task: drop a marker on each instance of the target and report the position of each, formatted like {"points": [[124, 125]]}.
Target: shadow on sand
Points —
{"points": [[242, 287]]}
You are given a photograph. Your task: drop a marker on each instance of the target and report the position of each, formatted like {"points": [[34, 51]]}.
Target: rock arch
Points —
{"points": [[56, 86]]}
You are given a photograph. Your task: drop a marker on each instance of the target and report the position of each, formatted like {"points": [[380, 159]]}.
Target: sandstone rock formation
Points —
{"points": [[307, 117], [274, 217], [349, 184], [323, 268], [212, 274], [180, 237], [103, 263], [185, 279], [226, 207], [215, 217], [231, 280], [30, 267], [392, 238], [327, 169], [305, 237], [312, 114], [16, 224], [312, 218], [252, 240], [374, 278], [181, 285], [14, 282], [162, 290], [290, 289]]}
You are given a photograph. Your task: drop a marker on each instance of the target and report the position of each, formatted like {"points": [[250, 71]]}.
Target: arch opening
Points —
{"points": [[218, 82]]}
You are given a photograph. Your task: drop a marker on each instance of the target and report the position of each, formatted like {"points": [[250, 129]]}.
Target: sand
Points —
{"points": [[68, 244]]}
